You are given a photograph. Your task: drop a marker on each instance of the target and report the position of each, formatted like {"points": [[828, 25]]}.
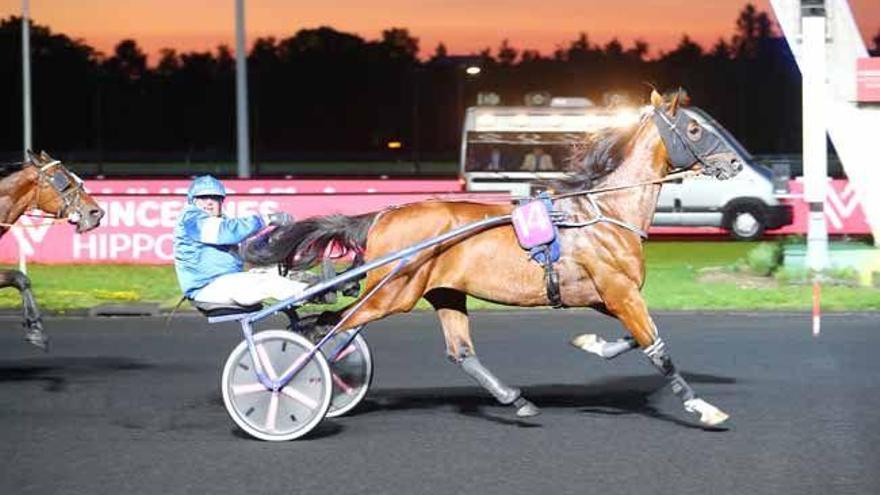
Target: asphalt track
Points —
{"points": [[129, 406]]}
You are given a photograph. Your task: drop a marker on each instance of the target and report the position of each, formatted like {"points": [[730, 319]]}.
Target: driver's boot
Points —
{"points": [[293, 321]]}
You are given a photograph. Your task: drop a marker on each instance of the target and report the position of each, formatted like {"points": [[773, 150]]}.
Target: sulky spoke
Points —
{"points": [[266, 362], [300, 397], [348, 350], [339, 382], [272, 413], [248, 388]]}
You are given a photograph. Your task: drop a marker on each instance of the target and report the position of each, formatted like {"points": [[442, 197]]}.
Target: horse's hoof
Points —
{"points": [[525, 409], [39, 339], [709, 414], [589, 342]]}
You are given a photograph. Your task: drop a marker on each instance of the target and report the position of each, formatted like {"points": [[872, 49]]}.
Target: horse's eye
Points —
{"points": [[694, 131]]}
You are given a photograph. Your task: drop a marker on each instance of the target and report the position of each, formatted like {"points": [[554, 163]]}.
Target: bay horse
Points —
{"points": [[43, 183], [602, 262]]}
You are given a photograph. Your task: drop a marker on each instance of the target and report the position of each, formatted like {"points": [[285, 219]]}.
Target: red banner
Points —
{"points": [[137, 227], [868, 80], [279, 186]]}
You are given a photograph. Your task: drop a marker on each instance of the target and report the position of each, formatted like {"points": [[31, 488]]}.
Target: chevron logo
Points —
{"points": [[841, 205], [29, 232]]}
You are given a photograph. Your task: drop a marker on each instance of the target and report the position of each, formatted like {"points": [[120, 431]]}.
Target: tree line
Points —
{"points": [[327, 94]]}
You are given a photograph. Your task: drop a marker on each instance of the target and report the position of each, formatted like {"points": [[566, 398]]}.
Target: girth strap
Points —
{"points": [[551, 280]]}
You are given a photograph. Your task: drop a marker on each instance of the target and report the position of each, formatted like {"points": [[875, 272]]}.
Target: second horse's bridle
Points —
{"points": [[69, 190]]}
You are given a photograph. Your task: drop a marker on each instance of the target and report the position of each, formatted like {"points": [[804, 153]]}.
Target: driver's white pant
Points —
{"points": [[247, 288]]}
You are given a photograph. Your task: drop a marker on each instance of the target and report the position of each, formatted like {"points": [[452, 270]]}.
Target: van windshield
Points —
{"points": [[520, 152]]}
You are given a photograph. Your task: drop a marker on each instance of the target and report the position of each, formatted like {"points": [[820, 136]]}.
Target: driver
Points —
{"points": [[209, 269]]}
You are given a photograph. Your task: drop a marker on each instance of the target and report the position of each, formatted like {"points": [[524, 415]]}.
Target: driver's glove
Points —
{"points": [[280, 218]]}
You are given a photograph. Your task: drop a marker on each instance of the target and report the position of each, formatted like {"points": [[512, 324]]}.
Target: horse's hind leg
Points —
{"points": [[33, 322], [451, 308], [628, 306]]}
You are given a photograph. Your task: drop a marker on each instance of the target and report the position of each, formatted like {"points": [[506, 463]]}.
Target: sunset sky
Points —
{"points": [[465, 26]]}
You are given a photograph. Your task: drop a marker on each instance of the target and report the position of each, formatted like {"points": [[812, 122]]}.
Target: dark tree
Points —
{"points": [[63, 89], [751, 28], [507, 54], [876, 50], [326, 94]]}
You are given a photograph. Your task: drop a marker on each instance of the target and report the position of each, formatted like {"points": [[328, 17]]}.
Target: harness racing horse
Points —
{"points": [[602, 262], [45, 184]]}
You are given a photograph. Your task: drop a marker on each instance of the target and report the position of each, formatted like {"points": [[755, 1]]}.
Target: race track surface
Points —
{"points": [[128, 406]]}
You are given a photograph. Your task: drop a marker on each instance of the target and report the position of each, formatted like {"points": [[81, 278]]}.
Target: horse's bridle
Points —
{"points": [[681, 157], [69, 191]]}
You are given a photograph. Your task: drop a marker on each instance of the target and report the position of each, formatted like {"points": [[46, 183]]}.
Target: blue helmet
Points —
{"points": [[205, 185]]}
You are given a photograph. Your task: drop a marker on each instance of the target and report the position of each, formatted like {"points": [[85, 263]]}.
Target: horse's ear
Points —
{"points": [[656, 99], [33, 157], [676, 100], [45, 156]]}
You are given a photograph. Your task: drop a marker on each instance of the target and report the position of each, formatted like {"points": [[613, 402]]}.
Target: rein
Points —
{"points": [[15, 225], [598, 216], [586, 192]]}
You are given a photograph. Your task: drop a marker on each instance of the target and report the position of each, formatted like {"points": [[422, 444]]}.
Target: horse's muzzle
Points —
{"points": [[722, 166], [86, 219]]}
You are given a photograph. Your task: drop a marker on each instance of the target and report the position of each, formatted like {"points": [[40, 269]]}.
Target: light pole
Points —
{"points": [[26, 75], [416, 137], [463, 72], [241, 93]]}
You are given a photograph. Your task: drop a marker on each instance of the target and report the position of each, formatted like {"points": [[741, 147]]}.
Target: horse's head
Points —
{"points": [[690, 144], [60, 192]]}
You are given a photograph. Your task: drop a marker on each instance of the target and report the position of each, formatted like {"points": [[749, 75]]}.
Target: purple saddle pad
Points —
{"points": [[532, 224]]}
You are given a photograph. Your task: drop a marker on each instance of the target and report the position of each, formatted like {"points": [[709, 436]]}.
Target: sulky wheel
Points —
{"points": [[351, 372], [288, 413]]}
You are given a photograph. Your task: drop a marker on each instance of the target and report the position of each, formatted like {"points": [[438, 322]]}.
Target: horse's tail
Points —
{"points": [[303, 243]]}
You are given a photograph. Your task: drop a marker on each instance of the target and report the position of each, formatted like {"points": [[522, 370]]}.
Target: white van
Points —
{"points": [[506, 148]]}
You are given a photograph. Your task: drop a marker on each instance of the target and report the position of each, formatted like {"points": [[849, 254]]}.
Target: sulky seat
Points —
{"points": [[213, 309]]}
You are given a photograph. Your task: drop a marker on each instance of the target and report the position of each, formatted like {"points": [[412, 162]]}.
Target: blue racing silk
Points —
{"points": [[206, 247]]}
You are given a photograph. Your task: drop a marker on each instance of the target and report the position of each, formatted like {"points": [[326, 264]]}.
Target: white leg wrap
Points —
{"points": [[594, 344], [709, 414]]}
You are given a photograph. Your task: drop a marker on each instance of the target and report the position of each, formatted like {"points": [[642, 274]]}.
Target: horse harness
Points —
{"points": [[683, 154], [69, 191], [537, 225]]}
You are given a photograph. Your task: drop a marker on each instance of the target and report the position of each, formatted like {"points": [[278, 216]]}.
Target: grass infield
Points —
{"points": [[673, 283]]}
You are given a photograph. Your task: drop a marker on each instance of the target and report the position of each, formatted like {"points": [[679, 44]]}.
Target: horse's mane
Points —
{"points": [[597, 156], [10, 168]]}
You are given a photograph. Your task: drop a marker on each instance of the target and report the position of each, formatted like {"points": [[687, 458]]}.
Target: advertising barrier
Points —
{"points": [[279, 186], [140, 215], [843, 210]]}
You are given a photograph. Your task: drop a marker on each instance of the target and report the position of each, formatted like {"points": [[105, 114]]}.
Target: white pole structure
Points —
{"points": [[241, 93], [26, 75], [851, 126], [815, 147]]}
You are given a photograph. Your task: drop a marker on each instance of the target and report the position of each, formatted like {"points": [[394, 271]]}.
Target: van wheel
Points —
{"points": [[746, 222]]}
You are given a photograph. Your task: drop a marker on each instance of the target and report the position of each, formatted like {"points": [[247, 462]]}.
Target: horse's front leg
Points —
{"points": [[33, 322], [624, 301], [451, 307]]}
